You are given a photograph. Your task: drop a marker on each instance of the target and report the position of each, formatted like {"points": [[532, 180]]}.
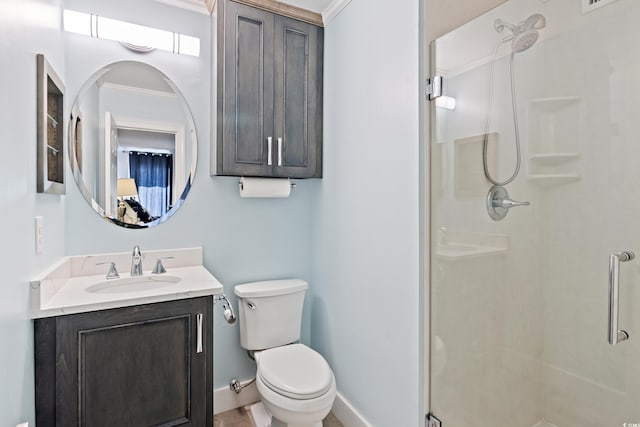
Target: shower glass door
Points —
{"points": [[525, 298]]}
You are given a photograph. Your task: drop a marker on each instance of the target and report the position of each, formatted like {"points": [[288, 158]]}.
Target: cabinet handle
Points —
{"points": [[199, 337], [269, 146], [279, 151]]}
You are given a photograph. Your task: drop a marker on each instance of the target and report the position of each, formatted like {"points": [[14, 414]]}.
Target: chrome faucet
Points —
{"points": [[136, 261]]}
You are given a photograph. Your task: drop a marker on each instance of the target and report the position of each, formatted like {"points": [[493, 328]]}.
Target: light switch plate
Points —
{"points": [[39, 228]]}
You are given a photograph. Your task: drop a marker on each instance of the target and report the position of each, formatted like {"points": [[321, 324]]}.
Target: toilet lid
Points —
{"points": [[295, 371]]}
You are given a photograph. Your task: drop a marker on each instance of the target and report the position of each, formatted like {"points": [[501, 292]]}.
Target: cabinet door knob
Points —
{"points": [[269, 146], [279, 151]]}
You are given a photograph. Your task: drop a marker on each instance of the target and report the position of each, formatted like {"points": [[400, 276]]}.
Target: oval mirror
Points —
{"points": [[132, 144]]}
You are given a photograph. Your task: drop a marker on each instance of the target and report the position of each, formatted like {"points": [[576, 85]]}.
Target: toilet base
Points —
{"points": [[277, 423], [296, 413]]}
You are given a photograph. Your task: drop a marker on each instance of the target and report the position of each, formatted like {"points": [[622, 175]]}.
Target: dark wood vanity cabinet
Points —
{"points": [[146, 365], [269, 94]]}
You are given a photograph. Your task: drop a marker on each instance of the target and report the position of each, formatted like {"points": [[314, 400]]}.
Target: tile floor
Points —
{"points": [[240, 418]]}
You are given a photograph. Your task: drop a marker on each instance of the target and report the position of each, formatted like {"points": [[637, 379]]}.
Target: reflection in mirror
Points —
{"points": [[132, 144]]}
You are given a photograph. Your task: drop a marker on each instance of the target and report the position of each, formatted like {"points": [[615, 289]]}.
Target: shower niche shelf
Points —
{"points": [[554, 140], [463, 245], [553, 159], [552, 180], [555, 103]]}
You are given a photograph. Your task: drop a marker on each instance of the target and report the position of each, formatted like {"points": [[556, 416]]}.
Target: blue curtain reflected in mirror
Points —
{"points": [[153, 173]]}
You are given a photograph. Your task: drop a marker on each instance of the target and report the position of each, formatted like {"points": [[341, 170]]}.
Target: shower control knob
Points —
{"points": [[508, 203], [499, 203]]}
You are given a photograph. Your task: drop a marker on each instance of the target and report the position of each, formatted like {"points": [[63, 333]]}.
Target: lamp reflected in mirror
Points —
{"points": [[127, 189]]}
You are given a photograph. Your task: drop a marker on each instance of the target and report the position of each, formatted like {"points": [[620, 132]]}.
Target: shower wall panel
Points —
{"points": [[519, 306]]}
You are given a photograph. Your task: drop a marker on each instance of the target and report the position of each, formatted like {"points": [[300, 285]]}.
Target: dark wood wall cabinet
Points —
{"points": [[269, 94], [147, 365]]}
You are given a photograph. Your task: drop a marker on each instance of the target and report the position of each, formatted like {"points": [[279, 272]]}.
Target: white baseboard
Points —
{"points": [[225, 399], [347, 414]]}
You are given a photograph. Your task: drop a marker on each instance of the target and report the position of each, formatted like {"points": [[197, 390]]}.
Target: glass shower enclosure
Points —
{"points": [[535, 217]]}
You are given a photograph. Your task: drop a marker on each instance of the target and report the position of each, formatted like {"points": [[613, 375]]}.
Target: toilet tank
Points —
{"points": [[270, 312]]}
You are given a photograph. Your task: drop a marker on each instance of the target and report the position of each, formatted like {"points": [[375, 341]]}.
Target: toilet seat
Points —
{"points": [[294, 371]]}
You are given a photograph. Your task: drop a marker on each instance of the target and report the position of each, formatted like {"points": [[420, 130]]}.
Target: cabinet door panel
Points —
{"points": [[246, 90], [298, 97], [129, 367], [135, 366]]}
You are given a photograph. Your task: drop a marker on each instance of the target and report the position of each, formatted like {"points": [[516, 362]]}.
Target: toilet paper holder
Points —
{"points": [[265, 187], [229, 314], [293, 185]]}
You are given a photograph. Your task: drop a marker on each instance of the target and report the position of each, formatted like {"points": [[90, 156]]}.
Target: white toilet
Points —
{"points": [[295, 383]]}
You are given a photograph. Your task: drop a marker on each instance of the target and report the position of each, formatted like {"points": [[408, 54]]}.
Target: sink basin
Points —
{"points": [[133, 284]]}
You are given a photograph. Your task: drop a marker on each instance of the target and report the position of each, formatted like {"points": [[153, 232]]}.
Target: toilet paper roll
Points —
{"points": [[265, 187]]}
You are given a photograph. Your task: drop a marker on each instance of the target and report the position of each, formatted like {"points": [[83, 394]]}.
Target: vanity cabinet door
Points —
{"points": [[135, 366], [269, 94]]}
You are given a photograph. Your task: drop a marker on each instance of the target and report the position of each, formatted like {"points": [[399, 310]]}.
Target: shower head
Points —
{"points": [[523, 41], [525, 34]]}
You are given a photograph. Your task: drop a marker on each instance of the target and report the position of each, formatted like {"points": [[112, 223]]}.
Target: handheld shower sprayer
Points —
{"points": [[522, 37], [535, 22]]}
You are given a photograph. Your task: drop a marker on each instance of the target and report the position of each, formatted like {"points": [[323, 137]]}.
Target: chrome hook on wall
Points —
{"points": [[499, 203], [229, 314]]}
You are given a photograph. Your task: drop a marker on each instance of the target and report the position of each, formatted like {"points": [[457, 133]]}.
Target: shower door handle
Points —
{"points": [[616, 335]]}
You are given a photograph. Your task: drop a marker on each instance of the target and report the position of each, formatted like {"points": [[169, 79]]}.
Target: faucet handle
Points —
{"points": [[159, 268], [112, 273]]}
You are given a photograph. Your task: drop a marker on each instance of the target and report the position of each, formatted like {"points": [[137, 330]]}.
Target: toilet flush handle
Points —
{"points": [[251, 305]]}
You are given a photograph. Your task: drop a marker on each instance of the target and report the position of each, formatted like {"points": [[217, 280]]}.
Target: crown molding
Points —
{"points": [[139, 90], [200, 6], [334, 8], [286, 10], [319, 19]]}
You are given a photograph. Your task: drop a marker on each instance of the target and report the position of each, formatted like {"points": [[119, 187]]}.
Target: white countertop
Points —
{"points": [[64, 289]]}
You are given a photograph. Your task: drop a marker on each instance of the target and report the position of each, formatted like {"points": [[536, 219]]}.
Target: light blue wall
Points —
{"points": [[243, 239], [26, 28], [366, 300]]}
